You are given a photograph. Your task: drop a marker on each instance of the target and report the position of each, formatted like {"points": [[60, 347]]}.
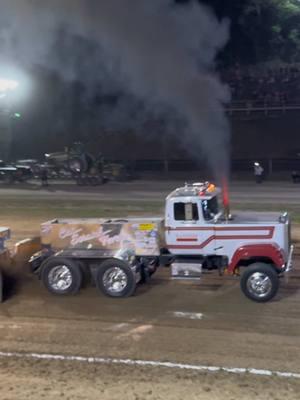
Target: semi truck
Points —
{"points": [[196, 234]]}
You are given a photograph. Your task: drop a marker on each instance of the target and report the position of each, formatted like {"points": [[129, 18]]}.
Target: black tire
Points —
{"points": [[154, 266], [90, 181], [260, 282], [78, 164], [9, 179], [96, 181], [79, 181], [295, 177], [107, 267], [149, 267], [50, 267], [86, 273], [89, 161]]}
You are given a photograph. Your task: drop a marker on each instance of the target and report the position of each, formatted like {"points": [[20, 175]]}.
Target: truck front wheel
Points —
{"points": [[61, 276], [259, 282], [115, 279]]}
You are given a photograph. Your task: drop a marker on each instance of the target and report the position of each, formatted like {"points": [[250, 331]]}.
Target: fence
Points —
{"points": [[167, 168], [249, 107]]}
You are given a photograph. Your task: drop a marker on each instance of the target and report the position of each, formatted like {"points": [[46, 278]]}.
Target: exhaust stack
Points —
{"points": [[226, 205]]}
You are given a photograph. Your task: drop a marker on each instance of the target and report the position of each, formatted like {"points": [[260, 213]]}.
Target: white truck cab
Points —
{"points": [[190, 217], [197, 232]]}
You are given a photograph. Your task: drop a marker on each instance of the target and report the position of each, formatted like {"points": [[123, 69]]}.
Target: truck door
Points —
{"points": [[187, 232]]}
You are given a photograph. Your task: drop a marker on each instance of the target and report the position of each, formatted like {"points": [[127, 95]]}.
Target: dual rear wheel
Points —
{"points": [[63, 276]]}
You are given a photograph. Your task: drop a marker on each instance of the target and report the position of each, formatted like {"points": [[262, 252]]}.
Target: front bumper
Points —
{"points": [[289, 264]]}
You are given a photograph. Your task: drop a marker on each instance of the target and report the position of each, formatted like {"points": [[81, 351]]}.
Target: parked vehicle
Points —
{"points": [[295, 177], [11, 173], [32, 164], [195, 235], [85, 168], [76, 163]]}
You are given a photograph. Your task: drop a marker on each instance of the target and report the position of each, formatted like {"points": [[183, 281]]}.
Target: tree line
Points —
{"points": [[261, 30]]}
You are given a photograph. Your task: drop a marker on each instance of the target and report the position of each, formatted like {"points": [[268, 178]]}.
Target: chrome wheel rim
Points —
{"points": [[60, 278], [259, 284], [115, 280]]}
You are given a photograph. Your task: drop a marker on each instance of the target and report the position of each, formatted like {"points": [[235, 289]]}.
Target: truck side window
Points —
{"points": [[186, 212], [210, 208]]}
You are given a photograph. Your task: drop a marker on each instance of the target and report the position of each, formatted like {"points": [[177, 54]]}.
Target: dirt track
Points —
{"points": [[229, 331], [241, 192], [233, 332], [62, 380]]}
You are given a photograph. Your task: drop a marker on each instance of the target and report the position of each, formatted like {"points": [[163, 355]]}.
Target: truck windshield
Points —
{"points": [[210, 208]]}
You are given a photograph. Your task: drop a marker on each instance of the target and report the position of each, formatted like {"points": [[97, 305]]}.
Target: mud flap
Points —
{"points": [[24, 249]]}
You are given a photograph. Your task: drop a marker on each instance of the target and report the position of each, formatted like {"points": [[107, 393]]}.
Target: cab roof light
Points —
{"points": [[211, 188]]}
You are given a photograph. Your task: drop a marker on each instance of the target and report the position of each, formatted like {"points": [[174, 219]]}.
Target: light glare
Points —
{"points": [[8, 85]]}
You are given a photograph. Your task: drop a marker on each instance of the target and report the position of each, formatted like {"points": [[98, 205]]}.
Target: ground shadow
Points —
{"points": [[11, 286]]}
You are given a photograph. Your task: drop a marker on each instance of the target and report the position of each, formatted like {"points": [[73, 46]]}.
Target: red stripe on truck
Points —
{"points": [[186, 240], [222, 229], [223, 237]]}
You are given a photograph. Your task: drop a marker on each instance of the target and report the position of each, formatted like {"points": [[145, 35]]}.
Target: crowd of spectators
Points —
{"points": [[264, 87]]}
